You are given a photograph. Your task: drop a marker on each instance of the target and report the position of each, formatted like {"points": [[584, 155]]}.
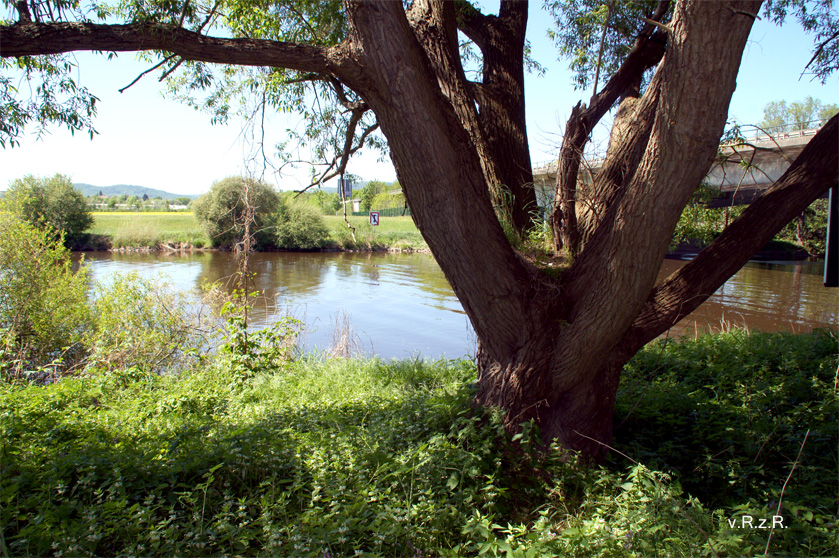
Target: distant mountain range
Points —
{"points": [[129, 190]]}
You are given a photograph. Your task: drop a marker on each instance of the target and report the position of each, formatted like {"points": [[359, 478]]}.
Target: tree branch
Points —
{"points": [[819, 50], [648, 51], [339, 162], [53, 38], [812, 173], [23, 12], [144, 72]]}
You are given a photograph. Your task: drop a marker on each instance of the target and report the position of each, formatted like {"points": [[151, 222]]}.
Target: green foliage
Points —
{"points": [[251, 352], [55, 98], [728, 414], [300, 226], [222, 211], [388, 199], [362, 457], [369, 193], [52, 204], [328, 204], [780, 116], [808, 230], [43, 303], [700, 225], [141, 323], [579, 26]]}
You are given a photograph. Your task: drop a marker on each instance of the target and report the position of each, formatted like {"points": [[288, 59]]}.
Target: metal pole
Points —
{"points": [[831, 251]]}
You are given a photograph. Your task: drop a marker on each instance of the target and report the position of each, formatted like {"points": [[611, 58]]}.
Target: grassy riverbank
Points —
{"points": [[151, 230], [324, 457], [148, 229]]}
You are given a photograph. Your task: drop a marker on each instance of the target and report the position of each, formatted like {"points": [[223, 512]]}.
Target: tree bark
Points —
{"points": [[30, 39], [648, 51], [500, 98], [550, 348]]}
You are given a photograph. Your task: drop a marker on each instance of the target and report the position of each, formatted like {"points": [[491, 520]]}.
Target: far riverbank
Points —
{"points": [[181, 232]]}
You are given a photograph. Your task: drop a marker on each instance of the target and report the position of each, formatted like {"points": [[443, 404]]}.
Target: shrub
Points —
{"points": [[142, 323], [300, 226], [389, 199], [43, 304], [51, 204], [221, 211]]}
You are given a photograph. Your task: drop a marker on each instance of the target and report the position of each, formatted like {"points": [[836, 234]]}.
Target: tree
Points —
{"points": [[551, 346], [369, 192], [222, 210], [780, 116], [43, 302], [52, 204]]}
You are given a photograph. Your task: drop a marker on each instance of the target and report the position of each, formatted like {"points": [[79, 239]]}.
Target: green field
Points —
{"points": [[149, 230], [392, 232]]}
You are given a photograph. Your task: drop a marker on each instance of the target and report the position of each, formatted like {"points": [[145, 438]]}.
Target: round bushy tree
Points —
{"points": [[300, 227], [223, 209], [51, 204]]}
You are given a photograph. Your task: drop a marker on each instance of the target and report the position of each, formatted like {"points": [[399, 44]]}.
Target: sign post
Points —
{"points": [[374, 218]]}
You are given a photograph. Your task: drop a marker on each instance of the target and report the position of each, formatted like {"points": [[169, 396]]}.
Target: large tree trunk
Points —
{"points": [[550, 348]]}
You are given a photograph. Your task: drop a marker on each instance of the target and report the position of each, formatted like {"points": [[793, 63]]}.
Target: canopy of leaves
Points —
{"points": [[595, 36], [780, 116], [51, 204], [820, 19], [222, 211], [42, 90]]}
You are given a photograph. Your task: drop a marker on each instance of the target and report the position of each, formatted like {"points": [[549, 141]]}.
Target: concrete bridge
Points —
{"points": [[742, 170]]}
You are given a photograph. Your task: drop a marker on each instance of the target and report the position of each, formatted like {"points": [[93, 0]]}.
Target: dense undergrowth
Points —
{"points": [[325, 458]]}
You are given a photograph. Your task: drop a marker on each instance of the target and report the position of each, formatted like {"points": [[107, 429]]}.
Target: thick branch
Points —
{"points": [[648, 51], [53, 38], [812, 173]]}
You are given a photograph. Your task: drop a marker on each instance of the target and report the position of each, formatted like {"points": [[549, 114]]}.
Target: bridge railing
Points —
{"points": [[748, 133], [795, 129]]}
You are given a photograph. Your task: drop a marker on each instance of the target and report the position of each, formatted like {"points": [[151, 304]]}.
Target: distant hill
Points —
{"points": [[126, 189]]}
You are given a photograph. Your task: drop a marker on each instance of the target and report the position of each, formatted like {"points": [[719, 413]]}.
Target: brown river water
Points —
{"points": [[400, 305]]}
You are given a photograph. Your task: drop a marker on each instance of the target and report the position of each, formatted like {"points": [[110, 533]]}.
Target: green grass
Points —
{"points": [[127, 229], [368, 458], [393, 232]]}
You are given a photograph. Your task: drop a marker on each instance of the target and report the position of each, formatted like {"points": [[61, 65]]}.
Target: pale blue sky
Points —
{"points": [[150, 141]]}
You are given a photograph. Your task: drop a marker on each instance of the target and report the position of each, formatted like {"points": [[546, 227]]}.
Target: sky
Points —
{"points": [[148, 140]]}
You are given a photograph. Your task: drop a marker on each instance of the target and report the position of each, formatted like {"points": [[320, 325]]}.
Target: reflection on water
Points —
{"points": [[767, 297], [401, 304], [398, 304]]}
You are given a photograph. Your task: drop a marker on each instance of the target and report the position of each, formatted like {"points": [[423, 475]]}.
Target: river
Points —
{"points": [[400, 305]]}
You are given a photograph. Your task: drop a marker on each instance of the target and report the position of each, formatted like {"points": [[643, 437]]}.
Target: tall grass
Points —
{"points": [[367, 458]]}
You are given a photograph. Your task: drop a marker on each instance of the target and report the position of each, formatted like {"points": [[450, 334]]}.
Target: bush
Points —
{"points": [[51, 204], [43, 304], [388, 200], [143, 324], [221, 211], [809, 230], [300, 227], [367, 458]]}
